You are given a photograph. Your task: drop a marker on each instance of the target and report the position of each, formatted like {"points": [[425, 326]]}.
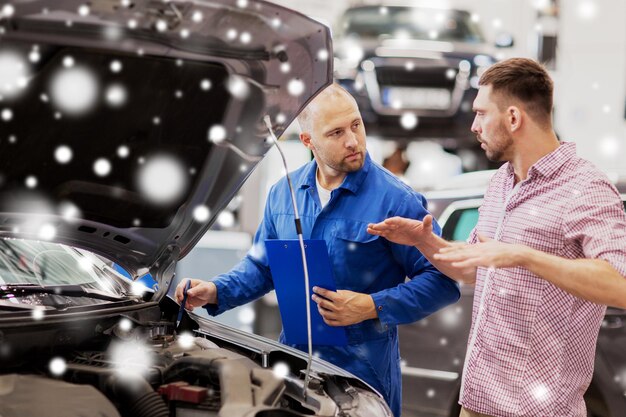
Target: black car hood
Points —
{"points": [[116, 157]]}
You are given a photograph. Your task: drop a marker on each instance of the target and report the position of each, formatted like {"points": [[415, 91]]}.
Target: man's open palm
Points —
{"points": [[403, 231]]}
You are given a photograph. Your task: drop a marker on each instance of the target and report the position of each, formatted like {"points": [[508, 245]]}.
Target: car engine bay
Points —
{"points": [[131, 366]]}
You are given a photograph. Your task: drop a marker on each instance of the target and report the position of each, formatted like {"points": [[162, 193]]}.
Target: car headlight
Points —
{"points": [[370, 405]]}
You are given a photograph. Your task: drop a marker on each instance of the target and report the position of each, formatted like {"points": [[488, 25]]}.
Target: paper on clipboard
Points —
{"points": [[285, 260]]}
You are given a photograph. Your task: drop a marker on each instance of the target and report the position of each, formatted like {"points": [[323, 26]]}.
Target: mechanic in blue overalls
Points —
{"points": [[338, 194]]}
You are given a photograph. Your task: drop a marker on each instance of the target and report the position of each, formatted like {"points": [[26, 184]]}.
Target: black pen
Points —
{"points": [[182, 304]]}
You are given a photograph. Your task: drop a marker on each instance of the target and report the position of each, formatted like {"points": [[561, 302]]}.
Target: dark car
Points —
{"points": [[126, 127], [434, 348], [414, 71]]}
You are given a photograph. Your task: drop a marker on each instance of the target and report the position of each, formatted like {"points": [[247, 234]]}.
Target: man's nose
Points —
{"points": [[351, 140], [475, 126]]}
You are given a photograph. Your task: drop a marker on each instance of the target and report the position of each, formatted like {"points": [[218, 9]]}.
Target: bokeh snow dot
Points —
{"points": [[116, 66], [85, 264], [83, 10], [63, 154], [116, 95], [137, 288], [8, 10], [74, 90], [34, 56], [57, 366], [47, 232], [197, 16], [102, 167], [161, 25], [295, 87], [6, 115], [68, 62], [245, 37], [69, 211], [123, 151], [37, 313], [113, 33], [31, 181], [201, 214], [226, 219], [162, 179], [238, 87], [408, 120], [281, 369], [205, 84], [13, 73], [231, 34], [322, 54], [125, 324], [540, 392], [131, 357], [246, 315], [217, 134], [186, 340]]}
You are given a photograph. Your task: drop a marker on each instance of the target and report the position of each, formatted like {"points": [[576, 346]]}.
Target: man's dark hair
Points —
{"points": [[524, 80]]}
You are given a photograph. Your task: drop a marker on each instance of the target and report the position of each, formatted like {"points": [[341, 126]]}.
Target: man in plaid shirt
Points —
{"points": [[547, 255]]}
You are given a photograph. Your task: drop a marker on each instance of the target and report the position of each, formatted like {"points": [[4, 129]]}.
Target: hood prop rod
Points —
{"points": [[307, 375]]}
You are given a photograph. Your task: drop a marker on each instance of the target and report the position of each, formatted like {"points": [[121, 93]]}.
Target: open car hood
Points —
{"points": [[128, 125]]}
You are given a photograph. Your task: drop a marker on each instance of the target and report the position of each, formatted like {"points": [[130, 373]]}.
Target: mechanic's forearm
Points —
{"points": [[429, 247], [591, 279]]}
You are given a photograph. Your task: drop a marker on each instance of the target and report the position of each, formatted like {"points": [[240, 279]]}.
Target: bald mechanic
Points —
{"points": [[338, 194]]}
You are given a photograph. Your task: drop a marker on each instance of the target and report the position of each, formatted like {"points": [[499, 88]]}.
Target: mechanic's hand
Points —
{"points": [[199, 293], [403, 231], [343, 307], [487, 253]]}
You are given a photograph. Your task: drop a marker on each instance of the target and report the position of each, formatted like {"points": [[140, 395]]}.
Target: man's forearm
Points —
{"points": [[429, 247], [591, 279]]}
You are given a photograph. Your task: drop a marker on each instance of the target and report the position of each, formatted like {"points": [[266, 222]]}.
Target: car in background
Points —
{"points": [[433, 349], [126, 127], [414, 72]]}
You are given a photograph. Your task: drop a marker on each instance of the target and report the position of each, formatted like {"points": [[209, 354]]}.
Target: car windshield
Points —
{"points": [[411, 23], [45, 264]]}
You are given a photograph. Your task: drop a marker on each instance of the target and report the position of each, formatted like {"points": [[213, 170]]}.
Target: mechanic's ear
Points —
{"points": [[305, 138]]}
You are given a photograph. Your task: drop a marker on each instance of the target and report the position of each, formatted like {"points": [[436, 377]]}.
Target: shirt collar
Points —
{"points": [[551, 162], [352, 182]]}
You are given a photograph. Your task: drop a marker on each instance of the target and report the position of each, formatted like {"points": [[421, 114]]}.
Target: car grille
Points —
{"points": [[427, 87], [429, 77]]}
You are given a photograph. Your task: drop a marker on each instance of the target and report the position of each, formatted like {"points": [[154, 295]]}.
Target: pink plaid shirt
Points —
{"points": [[532, 345]]}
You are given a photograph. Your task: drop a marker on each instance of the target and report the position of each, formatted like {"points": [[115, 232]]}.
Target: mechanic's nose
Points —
{"points": [[351, 140]]}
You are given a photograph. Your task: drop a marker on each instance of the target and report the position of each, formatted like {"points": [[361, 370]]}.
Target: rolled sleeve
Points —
{"points": [[596, 221]]}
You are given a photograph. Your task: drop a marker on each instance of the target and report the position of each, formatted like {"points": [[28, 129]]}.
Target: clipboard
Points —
{"points": [[285, 260]]}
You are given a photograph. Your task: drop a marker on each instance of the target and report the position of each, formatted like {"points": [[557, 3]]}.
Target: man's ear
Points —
{"points": [[514, 118], [305, 138]]}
